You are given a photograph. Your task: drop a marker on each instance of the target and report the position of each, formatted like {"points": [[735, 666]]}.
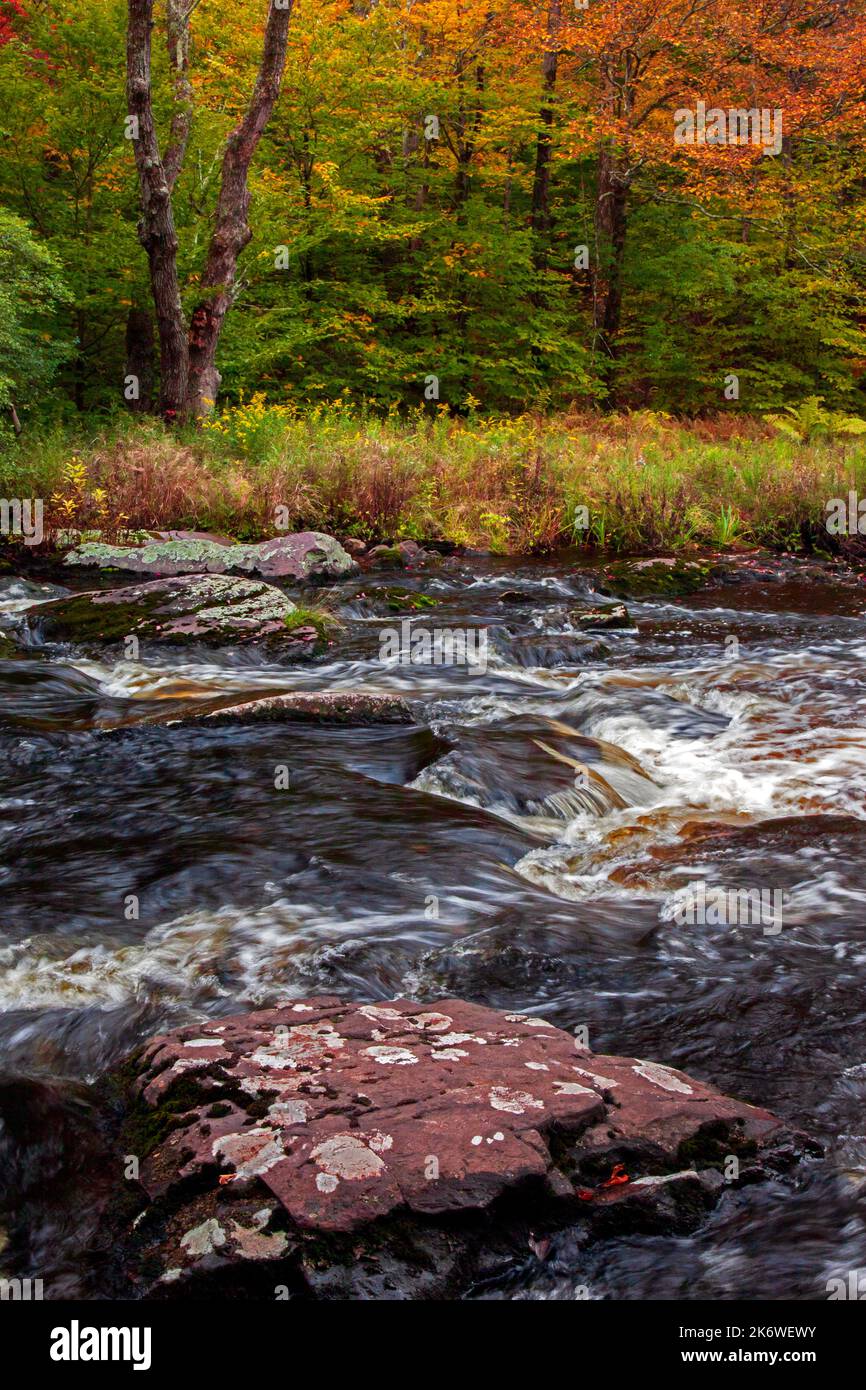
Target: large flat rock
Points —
{"points": [[325, 1120]]}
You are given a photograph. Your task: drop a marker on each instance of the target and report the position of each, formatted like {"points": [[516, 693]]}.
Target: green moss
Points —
{"points": [[404, 600], [389, 556], [326, 624], [146, 1127], [630, 579], [713, 1144], [82, 619]]}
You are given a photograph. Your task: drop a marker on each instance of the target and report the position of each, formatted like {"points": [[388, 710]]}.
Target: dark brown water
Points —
{"points": [[460, 856]]}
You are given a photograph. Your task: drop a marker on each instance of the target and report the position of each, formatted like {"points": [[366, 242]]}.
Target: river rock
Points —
{"points": [[214, 609], [375, 1150], [404, 555], [383, 600], [549, 650], [344, 708], [193, 536], [611, 617], [670, 576], [654, 577], [307, 556], [16, 594]]}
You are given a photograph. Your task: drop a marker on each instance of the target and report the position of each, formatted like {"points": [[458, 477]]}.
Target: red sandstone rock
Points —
{"points": [[320, 1117]]}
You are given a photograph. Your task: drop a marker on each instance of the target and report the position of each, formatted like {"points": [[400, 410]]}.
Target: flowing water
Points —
{"points": [[529, 843]]}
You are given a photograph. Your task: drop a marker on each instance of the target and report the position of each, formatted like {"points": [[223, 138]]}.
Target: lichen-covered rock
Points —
{"points": [[328, 1141], [213, 609], [307, 556], [346, 708]]}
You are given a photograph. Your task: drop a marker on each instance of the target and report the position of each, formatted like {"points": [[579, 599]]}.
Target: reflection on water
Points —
{"points": [[524, 844]]}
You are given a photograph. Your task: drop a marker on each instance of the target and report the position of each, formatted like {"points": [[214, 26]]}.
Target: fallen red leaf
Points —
{"points": [[619, 1175]]}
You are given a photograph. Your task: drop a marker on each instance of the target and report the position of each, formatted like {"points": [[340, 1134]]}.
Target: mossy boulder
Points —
{"points": [[404, 555], [212, 609], [307, 557], [654, 578]]}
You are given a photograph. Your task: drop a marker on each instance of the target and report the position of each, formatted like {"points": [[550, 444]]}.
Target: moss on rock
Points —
{"points": [[214, 609], [661, 578]]}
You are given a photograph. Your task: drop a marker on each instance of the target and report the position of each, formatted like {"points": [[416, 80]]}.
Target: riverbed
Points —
{"points": [[530, 842]]}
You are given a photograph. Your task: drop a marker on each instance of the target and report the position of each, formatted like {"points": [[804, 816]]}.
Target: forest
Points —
{"points": [[466, 210]]}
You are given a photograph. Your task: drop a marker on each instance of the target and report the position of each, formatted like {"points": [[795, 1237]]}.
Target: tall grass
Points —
{"points": [[520, 485]]}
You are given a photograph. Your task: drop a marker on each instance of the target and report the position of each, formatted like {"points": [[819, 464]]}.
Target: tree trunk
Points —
{"points": [[541, 181], [177, 40], [139, 358], [232, 232], [610, 229], [156, 228]]}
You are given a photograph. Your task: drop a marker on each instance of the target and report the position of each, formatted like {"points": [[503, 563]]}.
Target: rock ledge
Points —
{"points": [[306, 1139]]}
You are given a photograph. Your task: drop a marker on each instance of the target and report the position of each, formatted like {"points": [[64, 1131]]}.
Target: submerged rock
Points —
{"points": [[377, 1150], [213, 609], [307, 556], [18, 593], [548, 650], [380, 600]]}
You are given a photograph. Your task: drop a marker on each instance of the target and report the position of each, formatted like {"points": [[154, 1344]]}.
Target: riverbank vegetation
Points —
{"points": [[510, 484]]}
